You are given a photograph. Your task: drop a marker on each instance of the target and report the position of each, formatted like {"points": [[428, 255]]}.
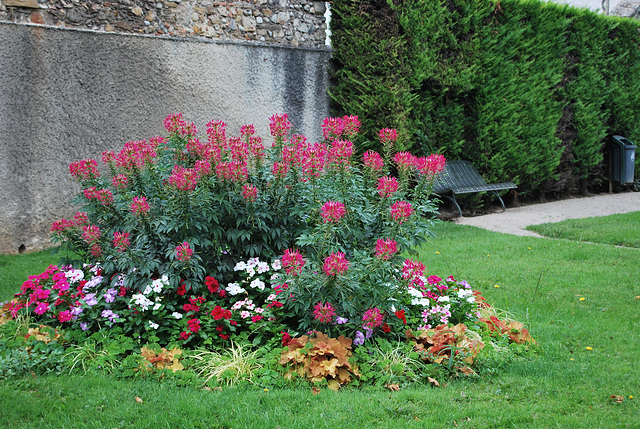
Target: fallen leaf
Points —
{"points": [[139, 400], [315, 390], [617, 398], [433, 381], [393, 387]]}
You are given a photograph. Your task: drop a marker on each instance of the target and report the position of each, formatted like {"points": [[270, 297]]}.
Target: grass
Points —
{"points": [[617, 230], [540, 282], [15, 269]]}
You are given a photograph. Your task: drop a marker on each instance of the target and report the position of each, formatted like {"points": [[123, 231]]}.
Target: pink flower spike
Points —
{"points": [[332, 128], [121, 241], [335, 264], [140, 206], [324, 312], [249, 192], [388, 137], [279, 125], [84, 170], [387, 186], [405, 161], [90, 233], [292, 262], [373, 318], [401, 211], [373, 161], [183, 252], [332, 211], [351, 125], [386, 248], [431, 165]]}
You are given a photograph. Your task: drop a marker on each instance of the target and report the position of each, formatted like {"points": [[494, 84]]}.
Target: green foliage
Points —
{"points": [[526, 90]]}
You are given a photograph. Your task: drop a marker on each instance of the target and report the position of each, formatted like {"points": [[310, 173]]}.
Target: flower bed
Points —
{"points": [[203, 244]]}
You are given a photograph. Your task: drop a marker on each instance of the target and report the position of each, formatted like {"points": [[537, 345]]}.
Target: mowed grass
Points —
{"points": [[572, 296], [15, 269], [617, 230]]}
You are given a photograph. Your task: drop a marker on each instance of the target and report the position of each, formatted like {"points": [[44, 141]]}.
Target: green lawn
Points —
{"points": [[572, 296], [618, 230]]}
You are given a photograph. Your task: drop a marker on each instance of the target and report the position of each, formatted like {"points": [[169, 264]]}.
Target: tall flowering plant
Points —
{"points": [[187, 208]]}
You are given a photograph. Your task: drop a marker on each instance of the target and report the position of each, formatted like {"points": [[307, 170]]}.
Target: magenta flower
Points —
{"points": [[41, 308], [335, 264], [388, 137], [104, 196], [91, 233], [121, 241], [140, 206], [59, 226], [340, 152], [279, 125], [405, 161], [351, 125], [332, 211], [386, 248], [96, 250], [249, 192], [324, 312], [332, 128], [387, 186], [401, 211], [120, 181], [84, 170], [64, 316], [292, 262], [431, 165], [81, 218], [247, 130], [373, 161], [183, 179], [183, 252], [413, 271], [372, 318]]}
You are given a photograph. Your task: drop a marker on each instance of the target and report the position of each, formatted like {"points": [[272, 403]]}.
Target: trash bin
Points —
{"points": [[622, 158]]}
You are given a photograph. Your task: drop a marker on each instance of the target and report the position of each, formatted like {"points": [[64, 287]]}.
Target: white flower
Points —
{"points": [[444, 298], [415, 292], [74, 275], [142, 301], [251, 271], [147, 290], [422, 301], [157, 306], [259, 310], [153, 325], [234, 289], [471, 299], [250, 306], [237, 305], [245, 314], [276, 264], [156, 285], [463, 293], [177, 315], [275, 276], [240, 266], [257, 283], [271, 297], [263, 267], [253, 262]]}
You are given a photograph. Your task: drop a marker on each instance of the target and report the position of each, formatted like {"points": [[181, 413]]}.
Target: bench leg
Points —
{"points": [[499, 199], [453, 199]]}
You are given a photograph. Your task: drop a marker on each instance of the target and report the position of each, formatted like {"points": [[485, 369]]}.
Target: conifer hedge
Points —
{"points": [[528, 91]]}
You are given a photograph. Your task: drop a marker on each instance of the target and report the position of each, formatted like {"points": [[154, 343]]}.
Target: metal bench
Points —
{"points": [[461, 177]]}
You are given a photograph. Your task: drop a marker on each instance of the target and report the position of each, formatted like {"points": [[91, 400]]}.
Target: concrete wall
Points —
{"points": [[67, 95]]}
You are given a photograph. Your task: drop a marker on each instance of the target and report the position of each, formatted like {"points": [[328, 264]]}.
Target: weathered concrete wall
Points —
{"points": [[69, 95]]}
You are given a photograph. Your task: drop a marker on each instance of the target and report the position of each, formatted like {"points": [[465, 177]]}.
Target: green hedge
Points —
{"points": [[529, 91]]}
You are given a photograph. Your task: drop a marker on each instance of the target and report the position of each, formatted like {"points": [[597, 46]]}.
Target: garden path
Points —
{"points": [[514, 220]]}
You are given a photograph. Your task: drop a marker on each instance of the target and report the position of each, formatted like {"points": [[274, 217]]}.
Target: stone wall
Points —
{"points": [[67, 95], [281, 22]]}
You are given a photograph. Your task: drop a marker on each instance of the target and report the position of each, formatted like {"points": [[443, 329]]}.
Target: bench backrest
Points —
{"points": [[458, 174]]}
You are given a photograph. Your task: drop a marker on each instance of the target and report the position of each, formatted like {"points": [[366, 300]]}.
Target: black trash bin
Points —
{"points": [[622, 158]]}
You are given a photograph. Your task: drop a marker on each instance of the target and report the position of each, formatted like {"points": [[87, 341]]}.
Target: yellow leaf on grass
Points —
{"points": [[433, 381], [138, 400]]}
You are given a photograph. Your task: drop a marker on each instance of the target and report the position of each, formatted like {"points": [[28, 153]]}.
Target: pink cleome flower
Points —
{"points": [[332, 211], [401, 211], [280, 170], [121, 241], [386, 248], [183, 179], [351, 125], [388, 137], [373, 161], [340, 152], [279, 125], [404, 161], [387, 186], [332, 128], [373, 318], [249, 192], [175, 124], [140, 206], [292, 262], [413, 271], [247, 130], [59, 226], [81, 218], [96, 250], [183, 252], [103, 196], [431, 165], [120, 181], [91, 233], [324, 312], [84, 170], [335, 264]]}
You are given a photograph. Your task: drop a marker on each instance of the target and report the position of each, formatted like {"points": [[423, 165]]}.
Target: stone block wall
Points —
{"points": [[297, 23]]}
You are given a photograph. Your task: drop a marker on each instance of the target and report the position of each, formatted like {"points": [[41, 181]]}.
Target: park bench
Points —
{"points": [[461, 177]]}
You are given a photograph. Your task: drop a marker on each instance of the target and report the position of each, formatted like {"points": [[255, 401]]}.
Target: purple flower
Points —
{"points": [[76, 311], [368, 332], [110, 296], [359, 340], [90, 299], [110, 315], [341, 320], [84, 326]]}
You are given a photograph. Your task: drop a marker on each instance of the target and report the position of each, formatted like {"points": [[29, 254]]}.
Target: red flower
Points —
{"points": [[182, 290], [212, 284], [386, 328], [220, 313], [194, 325], [275, 304], [219, 328], [286, 338], [64, 316], [256, 318], [190, 307], [400, 315], [224, 336], [184, 335], [335, 264]]}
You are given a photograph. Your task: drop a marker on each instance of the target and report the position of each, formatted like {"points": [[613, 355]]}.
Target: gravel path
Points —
{"points": [[514, 220]]}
